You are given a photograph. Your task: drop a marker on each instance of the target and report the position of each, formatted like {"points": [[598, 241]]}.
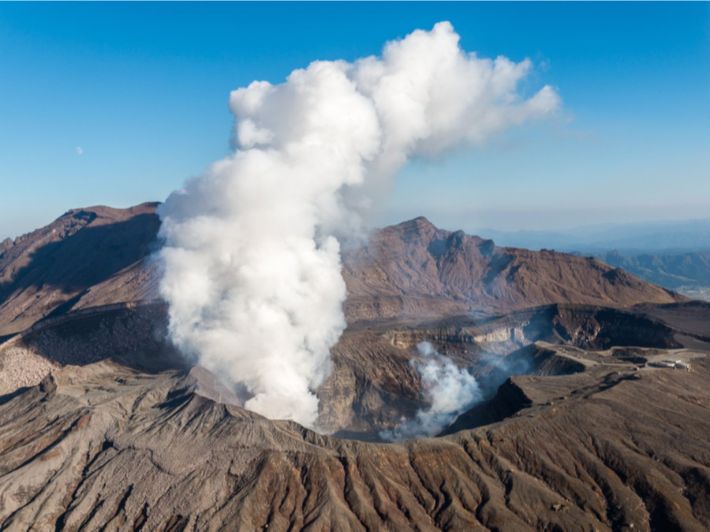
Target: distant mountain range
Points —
{"points": [[668, 236], [672, 270], [684, 272]]}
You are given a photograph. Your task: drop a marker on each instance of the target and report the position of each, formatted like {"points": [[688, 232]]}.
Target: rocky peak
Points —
{"points": [[416, 230]]}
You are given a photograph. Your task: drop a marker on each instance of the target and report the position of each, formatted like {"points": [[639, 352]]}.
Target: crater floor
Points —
{"points": [[597, 437]]}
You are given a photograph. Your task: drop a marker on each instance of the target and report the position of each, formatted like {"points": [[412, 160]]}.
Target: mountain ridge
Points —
{"points": [[98, 255]]}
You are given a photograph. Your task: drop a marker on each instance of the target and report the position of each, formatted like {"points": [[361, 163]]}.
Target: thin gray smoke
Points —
{"points": [[252, 256]]}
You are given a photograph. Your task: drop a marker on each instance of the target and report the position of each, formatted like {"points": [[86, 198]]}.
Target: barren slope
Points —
{"points": [[414, 269], [85, 257], [105, 446], [98, 256]]}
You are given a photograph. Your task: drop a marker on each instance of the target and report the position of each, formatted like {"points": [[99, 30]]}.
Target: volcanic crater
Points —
{"points": [[593, 411]]}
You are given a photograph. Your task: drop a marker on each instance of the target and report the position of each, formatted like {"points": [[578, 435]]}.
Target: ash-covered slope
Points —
{"points": [[99, 255], [619, 445], [415, 269]]}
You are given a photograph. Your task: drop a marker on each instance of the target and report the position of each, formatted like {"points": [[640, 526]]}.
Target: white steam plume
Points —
{"points": [[448, 390], [251, 256]]}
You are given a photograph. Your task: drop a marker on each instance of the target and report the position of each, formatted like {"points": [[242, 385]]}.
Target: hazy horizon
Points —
{"points": [[582, 237]]}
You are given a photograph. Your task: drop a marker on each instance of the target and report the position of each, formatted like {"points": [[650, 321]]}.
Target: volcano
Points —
{"points": [[594, 408]]}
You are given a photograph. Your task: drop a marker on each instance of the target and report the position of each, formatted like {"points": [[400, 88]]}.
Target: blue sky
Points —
{"points": [[142, 90]]}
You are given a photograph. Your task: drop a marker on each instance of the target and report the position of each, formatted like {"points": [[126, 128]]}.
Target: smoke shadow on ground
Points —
{"points": [[89, 256]]}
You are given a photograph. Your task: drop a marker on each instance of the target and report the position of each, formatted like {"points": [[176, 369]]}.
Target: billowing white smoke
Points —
{"points": [[448, 390], [251, 256]]}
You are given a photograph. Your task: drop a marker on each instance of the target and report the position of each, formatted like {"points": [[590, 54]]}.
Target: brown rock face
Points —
{"points": [[603, 424], [99, 255], [414, 270]]}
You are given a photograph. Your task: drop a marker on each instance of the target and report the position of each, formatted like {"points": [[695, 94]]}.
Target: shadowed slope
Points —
{"points": [[51, 269]]}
